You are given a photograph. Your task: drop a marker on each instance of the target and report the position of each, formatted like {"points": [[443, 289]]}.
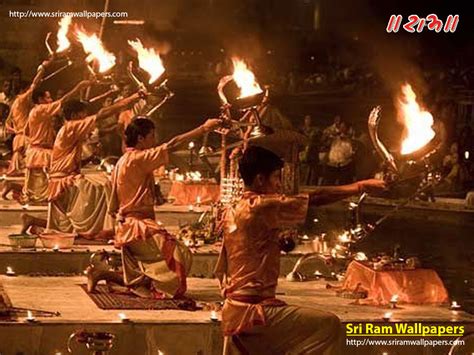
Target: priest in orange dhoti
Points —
{"points": [[155, 264], [254, 321], [77, 202], [40, 130]]}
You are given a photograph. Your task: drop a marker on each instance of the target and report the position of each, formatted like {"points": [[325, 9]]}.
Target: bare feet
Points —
{"points": [[6, 190], [94, 275], [92, 278], [142, 291], [31, 221], [107, 234], [27, 222], [15, 188]]}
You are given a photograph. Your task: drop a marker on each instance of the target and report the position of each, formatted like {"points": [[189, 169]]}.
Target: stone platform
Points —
{"points": [[177, 332], [168, 214]]}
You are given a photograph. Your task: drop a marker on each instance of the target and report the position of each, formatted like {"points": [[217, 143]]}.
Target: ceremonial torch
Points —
{"points": [[63, 45], [149, 61], [99, 61]]}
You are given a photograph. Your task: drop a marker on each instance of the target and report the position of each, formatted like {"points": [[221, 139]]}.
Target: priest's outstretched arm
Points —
{"points": [[323, 195]]}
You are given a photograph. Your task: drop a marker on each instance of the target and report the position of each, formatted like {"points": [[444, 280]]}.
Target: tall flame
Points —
{"points": [[418, 122], [63, 41], [92, 45], [245, 79], [149, 60]]}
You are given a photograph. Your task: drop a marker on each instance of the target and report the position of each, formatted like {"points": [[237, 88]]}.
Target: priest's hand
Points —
{"points": [[372, 185], [212, 124], [86, 83]]}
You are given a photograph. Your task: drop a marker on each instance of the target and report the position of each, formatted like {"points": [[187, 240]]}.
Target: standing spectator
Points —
{"points": [[333, 130], [309, 157], [340, 165], [6, 96]]}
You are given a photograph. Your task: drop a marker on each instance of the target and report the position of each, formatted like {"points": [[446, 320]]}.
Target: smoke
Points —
{"points": [[393, 56]]}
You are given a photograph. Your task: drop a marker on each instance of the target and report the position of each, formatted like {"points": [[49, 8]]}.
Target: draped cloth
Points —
{"points": [[35, 188], [19, 118], [151, 256], [248, 269], [17, 162], [40, 130], [418, 286], [154, 255], [78, 204], [188, 193]]}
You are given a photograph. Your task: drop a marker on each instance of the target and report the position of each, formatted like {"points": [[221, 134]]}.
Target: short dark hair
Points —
{"points": [[72, 107], [38, 94], [257, 160], [140, 126]]}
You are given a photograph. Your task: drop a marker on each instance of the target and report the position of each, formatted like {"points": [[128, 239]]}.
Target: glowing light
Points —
{"points": [[360, 256], [214, 316], [30, 317], [62, 40], [345, 237], [245, 79], [93, 46], [387, 316], [149, 60], [418, 122], [455, 305], [123, 317]]}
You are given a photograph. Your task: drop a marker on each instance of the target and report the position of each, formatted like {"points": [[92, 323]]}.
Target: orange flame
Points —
{"points": [[92, 45], [149, 60], [63, 41], [245, 79], [418, 122]]}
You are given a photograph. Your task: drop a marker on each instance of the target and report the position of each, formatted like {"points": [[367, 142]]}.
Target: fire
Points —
{"points": [[245, 79], [418, 122], [63, 41], [149, 60], [92, 45]]}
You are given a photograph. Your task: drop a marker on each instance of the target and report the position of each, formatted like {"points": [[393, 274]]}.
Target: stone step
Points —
{"points": [[64, 263]]}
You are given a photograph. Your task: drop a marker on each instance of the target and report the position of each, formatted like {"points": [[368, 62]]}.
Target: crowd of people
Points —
{"points": [[337, 155]]}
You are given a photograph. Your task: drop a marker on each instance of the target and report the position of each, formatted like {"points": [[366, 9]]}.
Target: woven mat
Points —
{"points": [[104, 299]]}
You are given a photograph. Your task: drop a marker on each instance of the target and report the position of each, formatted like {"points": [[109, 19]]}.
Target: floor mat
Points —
{"points": [[104, 299]]}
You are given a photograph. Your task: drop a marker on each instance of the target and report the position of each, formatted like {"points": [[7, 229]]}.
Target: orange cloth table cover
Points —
{"points": [[418, 286], [187, 193]]}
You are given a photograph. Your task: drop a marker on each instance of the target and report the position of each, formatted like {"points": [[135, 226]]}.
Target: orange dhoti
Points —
{"points": [[288, 330], [17, 162], [78, 204], [153, 255], [35, 189]]}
